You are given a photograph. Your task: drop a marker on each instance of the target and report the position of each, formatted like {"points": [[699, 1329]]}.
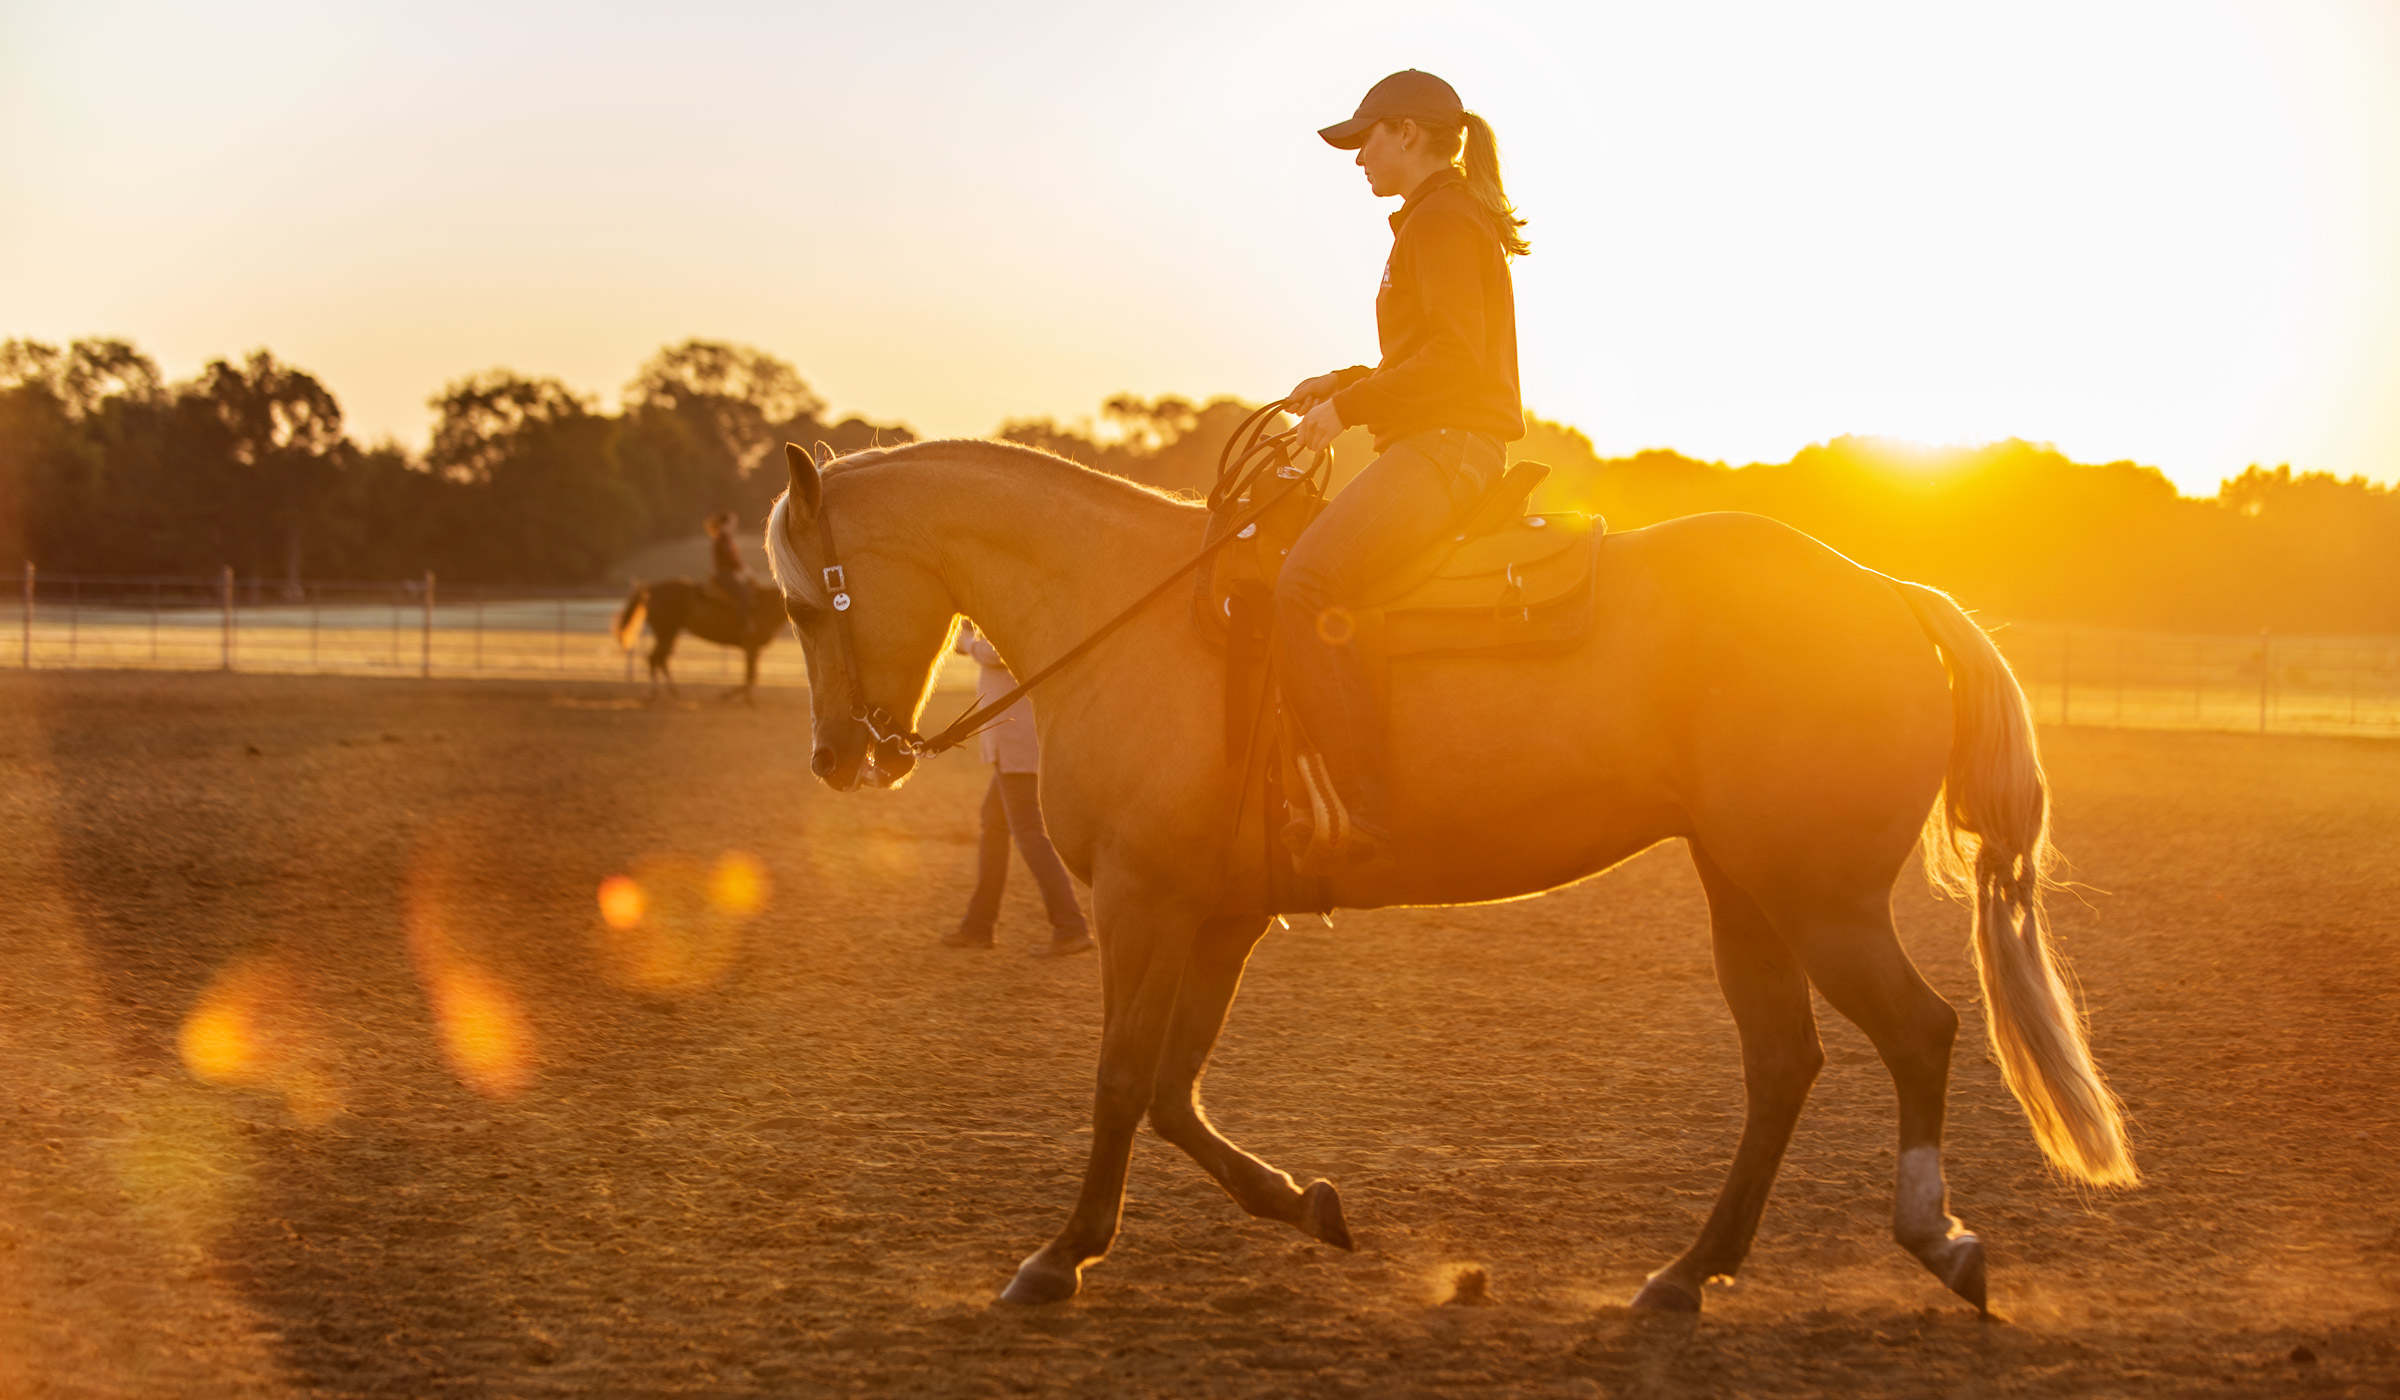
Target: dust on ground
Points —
{"points": [[326, 1073]]}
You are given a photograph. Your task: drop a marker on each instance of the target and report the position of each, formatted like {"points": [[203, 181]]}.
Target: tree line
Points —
{"points": [[107, 468], [2013, 529]]}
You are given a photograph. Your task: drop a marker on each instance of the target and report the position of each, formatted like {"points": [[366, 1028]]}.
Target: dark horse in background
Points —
{"points": [[680, 605]]}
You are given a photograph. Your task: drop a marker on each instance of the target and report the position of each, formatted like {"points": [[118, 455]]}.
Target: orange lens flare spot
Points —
{"points": [[256, 1027], [621, 902], [738, 885], [219, 1043], [485, 1035], [1335, 627]]}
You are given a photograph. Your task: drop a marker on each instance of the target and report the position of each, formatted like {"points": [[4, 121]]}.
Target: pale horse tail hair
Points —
{"points": [[627, 629], [1987, 841]]}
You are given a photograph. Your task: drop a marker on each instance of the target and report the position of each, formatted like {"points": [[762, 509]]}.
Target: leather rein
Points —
{"points": [[1260, 458]]}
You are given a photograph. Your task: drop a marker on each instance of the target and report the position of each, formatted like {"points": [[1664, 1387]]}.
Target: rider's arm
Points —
{"points": [[1442, 271]]}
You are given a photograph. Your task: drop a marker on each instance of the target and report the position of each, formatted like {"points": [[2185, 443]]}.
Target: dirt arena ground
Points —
{"points": [[323, 1073]]}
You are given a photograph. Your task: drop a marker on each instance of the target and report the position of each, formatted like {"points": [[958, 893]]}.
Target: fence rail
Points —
{"points": [[416, 627], [2261, 683], [422, 627]]}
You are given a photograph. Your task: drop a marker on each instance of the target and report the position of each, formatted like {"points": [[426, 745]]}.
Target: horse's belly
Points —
{"points": [[1510, 776]]}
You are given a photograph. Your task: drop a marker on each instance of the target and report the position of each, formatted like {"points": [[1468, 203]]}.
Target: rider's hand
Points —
{"points": [[1322, 425], [1308, 393]]}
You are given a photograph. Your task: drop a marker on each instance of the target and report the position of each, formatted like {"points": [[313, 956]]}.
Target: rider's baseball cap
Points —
{"points": [[1407, 93]]}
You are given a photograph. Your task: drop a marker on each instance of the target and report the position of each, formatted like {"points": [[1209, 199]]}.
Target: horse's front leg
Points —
{"points": [[1209, 983], [1145, 939]]}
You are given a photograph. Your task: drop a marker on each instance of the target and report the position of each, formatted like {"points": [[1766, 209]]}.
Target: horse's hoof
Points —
{"points": [[1321, 1216], [1958, 1263], [1040, 1281], [1665, 1295]]}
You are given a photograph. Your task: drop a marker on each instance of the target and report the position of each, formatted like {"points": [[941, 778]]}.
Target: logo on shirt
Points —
{"points": [[1387, 276]]}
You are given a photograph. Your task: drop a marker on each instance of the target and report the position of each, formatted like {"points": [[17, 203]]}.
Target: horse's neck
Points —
{"points": [[1040, 560]]}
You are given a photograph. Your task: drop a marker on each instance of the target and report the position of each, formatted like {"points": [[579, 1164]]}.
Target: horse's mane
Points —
{"points": [[798, 582]]}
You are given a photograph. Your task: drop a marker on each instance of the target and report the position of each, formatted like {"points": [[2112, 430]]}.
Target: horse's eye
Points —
{"points": [[802, 615]]}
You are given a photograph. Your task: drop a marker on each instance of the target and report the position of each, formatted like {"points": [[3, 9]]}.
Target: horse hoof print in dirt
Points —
{"points": [[1792, 716]]}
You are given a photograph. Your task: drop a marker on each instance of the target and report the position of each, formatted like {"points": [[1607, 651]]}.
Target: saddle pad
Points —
{"points": [[1529, 562]]}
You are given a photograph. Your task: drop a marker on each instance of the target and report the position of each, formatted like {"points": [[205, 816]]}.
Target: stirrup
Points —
{"points": [[1326, 841]]}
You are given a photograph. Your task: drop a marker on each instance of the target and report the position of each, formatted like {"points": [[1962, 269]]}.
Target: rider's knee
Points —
{"points": [[1300, 590]]}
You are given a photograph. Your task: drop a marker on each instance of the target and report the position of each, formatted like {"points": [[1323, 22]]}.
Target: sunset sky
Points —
{"points": [[2169, 231]]}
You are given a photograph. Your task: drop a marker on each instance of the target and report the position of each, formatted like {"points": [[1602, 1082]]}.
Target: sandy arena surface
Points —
{"points": [[325, 1075]]}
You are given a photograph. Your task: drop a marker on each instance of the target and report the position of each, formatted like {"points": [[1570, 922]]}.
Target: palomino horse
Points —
{"points": [[680, 605], [1743, 687]]}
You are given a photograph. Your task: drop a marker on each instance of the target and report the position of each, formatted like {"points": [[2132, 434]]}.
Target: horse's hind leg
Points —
{"points": [[1766, 989], [1210, 980], [1854, 956]]}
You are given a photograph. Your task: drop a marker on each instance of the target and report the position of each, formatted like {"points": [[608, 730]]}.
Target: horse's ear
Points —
{"points": [[807, 486], [824, 454]]}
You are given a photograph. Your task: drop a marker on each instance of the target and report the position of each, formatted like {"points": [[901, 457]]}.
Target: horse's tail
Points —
{"points": [[628, 626], [1988, 842]]}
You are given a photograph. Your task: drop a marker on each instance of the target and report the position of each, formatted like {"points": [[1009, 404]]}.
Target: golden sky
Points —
{"points": [[2165, 231]]}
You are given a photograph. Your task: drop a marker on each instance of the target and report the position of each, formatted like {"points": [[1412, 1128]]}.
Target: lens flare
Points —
{"points": [[674, 922], [484, 1033], [621, 902], [1335, 627], [738, 885], [219, 1043], [255, 1027]]}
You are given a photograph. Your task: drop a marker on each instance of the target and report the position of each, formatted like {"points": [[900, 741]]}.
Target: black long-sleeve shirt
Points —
{"points": [[1446, 319]]}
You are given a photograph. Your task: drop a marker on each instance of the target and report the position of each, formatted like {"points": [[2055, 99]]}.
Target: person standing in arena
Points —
{"points": [[1012, 808]]}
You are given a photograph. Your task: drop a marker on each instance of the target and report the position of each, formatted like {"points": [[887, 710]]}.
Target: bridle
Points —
{"points": [[1251, 459]]}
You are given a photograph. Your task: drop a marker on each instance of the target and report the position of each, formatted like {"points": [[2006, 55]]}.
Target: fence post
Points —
{"points": [[2263, 673], [426, 656], [227, 647], [27, 637]]}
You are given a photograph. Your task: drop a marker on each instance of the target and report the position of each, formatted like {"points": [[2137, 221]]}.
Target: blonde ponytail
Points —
{"points": [[1481, 166]]}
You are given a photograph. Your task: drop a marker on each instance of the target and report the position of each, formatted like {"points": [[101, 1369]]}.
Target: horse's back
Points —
{"points": [[1738, 677], [1814, 715]]}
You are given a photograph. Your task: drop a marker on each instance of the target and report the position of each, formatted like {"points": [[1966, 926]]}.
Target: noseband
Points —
{"points": [[1250, 459]]}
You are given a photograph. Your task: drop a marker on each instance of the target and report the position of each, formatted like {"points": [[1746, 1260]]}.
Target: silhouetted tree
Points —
{"points": [[537, 480]]}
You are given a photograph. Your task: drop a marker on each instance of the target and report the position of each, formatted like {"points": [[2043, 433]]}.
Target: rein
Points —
{"points": [[1264, 457]]}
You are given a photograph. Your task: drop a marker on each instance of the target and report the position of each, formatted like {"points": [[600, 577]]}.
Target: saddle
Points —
{"points": [[1502, 582]]}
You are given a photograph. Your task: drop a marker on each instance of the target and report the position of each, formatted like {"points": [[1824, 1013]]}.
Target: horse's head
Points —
{"points": [[873, 621]]}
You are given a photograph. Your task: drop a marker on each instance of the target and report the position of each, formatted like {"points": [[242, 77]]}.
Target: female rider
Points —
{"points": [[1440, 405]]}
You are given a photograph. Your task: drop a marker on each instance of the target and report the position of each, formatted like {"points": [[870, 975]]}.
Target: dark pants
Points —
{"points": [[1010, 808], [1396, 508]]}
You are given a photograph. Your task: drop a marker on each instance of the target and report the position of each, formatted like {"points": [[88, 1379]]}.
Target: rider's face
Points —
{"points": [[1387, 157]]}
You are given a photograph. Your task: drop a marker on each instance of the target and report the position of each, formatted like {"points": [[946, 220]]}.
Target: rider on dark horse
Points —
{"points": [[726, 571], [1440, 406]]}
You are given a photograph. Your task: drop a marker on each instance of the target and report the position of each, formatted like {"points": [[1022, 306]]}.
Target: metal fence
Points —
{"points": [[420, 627], [2262, 683]]}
